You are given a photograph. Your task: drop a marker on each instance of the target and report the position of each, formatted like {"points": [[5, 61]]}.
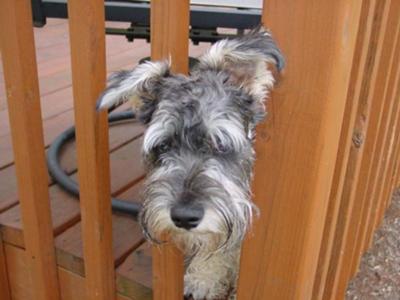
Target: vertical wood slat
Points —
{"points": [[359, 82], [363, 188], [394, 141], [343, 267], [387, 134], [373, 179], [378, 176], [396, 170], [280, 256], [20, 72], [4, 283], [87, 38], [169, 40]]}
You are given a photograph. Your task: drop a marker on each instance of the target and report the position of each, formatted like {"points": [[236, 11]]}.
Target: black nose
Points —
{"points": [[186, 215]]}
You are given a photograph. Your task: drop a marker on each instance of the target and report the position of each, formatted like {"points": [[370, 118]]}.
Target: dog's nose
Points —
{"points": [[187, 216]]}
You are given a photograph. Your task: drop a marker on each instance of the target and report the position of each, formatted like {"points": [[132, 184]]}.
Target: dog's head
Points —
{"points": [[198, 145]]}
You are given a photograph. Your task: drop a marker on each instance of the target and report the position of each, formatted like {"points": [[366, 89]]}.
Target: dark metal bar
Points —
{"points": [[37, 13], [200, 16]]}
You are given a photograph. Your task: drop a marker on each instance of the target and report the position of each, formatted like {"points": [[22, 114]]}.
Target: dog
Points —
{"points": [[198, 149]]}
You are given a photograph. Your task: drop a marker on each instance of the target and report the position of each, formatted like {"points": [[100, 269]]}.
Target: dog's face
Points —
{"points": [[198, 145]]}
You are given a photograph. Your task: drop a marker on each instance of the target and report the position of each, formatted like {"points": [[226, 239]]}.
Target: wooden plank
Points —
{"points": [[137, 268], [360, 78], [72, 286], [65, 208], [57, 125], [127, 236], [18, 53], [169, 40], [53, 57], [396, 171], [363, 197], [4, 282], [386, 137], [58, 116], [87, 36], [389, 187], [349, 213], [294, 169], [120, 134]]}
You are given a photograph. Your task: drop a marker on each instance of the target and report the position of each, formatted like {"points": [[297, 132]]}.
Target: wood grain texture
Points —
{"points": [[386, 135], [396, 170], [170, 33], [297, 147], [120, 134], [72, 286], [87, 36], [169, 40], [20, 72], [349, 212], [364, 185], [360, 76], [127, 236], [389, 187], [5, 293]]}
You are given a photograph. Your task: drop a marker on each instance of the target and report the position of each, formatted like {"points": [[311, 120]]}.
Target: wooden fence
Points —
{"points": [[328, 156]]}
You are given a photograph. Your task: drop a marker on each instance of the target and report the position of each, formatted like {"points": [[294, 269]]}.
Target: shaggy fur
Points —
{"points": [[198, 148]]}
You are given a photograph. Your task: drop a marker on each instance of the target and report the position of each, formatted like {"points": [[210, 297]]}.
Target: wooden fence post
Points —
{"points": [[20, 72], [360, 77], [297, 146], [387, 131], [4, 283], [369, 164], [169, 39], [87, 36], [373, 93]]}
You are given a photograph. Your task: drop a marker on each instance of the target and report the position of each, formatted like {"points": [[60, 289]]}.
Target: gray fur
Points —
{"points": [[198, 148]]}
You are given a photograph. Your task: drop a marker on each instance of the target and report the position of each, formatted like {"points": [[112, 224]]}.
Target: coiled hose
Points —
{"points": [[70, 186]]}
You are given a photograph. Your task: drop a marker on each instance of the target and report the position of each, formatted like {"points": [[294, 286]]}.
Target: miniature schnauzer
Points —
{"points": [[198, 147]]}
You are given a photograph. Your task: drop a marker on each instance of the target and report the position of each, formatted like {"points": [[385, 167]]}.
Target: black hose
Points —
{"points": [[71, 186]]}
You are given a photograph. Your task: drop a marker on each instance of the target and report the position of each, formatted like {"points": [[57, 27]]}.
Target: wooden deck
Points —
{"points": [[132, 255]]}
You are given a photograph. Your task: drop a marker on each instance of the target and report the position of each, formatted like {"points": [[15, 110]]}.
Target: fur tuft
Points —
{"points": [[125, 85], [246, 60]]}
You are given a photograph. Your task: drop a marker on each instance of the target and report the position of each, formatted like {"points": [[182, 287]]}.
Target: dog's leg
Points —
{"points": [[213, 277]]}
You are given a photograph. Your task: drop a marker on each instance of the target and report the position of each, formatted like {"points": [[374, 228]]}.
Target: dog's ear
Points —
{"points": [[141, 85], [247, 60]]}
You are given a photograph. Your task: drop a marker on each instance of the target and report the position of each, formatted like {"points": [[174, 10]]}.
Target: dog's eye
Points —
{"points": [[162, 148], [220, 147]]}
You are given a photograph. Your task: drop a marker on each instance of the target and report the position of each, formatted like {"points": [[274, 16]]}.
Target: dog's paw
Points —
{"points": [[201, 289]]}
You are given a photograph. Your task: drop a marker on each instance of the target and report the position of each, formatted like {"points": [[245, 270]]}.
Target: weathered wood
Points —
{"points": [[340, 262], [169, 40], [359, 81], [4, 282], [20, 70], [87, 36], [294, 169]]}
